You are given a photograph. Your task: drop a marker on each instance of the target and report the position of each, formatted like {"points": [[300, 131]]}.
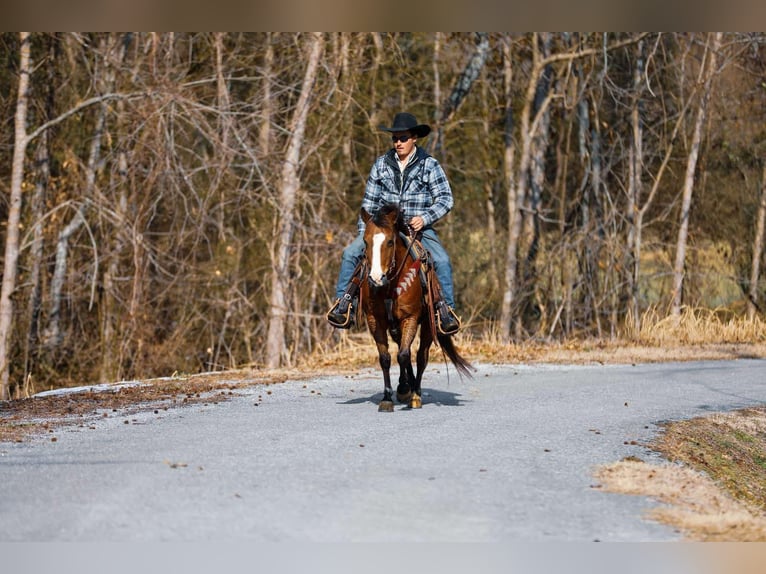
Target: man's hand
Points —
{"points": [[416, 223]]}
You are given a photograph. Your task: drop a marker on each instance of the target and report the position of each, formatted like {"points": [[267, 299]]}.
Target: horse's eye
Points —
{"points": [[390, 242]]}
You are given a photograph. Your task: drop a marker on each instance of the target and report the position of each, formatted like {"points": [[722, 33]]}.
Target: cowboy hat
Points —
{"points": [[404, 122]]}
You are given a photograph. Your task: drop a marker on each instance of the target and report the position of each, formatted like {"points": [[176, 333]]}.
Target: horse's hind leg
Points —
{"points": [[406, 376], [422, 361]]}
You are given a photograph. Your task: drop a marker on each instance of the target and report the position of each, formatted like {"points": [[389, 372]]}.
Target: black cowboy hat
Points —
{"points": [[404, 122]]}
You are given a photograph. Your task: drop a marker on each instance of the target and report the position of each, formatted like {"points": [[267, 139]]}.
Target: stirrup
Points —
{"points": [[447, 327], [341, 320]]}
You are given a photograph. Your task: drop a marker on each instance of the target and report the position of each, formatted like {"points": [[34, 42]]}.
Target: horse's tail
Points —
{"points": [[448, 347]]}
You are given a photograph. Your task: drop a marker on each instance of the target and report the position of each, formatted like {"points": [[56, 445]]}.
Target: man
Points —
{"points": [[406, 175]]}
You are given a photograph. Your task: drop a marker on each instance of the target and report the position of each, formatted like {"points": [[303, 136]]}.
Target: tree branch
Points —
{"points": [[79, 107]]}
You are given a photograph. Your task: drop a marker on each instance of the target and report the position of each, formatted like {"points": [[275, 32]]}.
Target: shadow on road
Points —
{"points": [[430, 397]]}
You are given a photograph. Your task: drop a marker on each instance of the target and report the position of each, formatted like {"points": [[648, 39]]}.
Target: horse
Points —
{"points": [[395, 301]]}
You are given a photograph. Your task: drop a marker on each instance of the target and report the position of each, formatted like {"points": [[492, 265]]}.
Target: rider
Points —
{"points": [[406, 175]]}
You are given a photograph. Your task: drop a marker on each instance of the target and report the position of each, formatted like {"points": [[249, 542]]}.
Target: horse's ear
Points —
{"points": [[392, 217], [365, 216]]}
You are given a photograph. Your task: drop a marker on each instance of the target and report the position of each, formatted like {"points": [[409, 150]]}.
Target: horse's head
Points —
{"points": [[380, 237]]}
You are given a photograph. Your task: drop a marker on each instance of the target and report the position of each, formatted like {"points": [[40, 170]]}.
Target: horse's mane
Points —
{"points": [[381, 218]]}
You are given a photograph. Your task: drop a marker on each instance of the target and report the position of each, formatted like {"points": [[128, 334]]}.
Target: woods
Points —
{"points": [[178, 202]]}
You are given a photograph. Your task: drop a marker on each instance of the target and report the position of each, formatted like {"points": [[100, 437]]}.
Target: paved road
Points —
{"points": [[507, 456]]}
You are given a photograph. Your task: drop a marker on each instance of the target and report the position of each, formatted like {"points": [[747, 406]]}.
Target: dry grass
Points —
{"points": [[698, 326], [716, 491], [354, 349], [695, 504]]}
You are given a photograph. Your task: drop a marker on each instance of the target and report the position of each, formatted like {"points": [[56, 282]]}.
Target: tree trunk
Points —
{"points": [[755, 267], [592, 222], [288, 191], [513, 204], [111, 362], [543, 94], [517, 194], [460, 90], [635, 172], [34, 307], [37, 209], [373, 110], [104, 80], [708, 71], [14, 216], [437, 75], [490, 184], [264, 132]]}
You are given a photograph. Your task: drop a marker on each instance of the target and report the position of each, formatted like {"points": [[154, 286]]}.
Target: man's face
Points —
{"points": [[403, 148]]}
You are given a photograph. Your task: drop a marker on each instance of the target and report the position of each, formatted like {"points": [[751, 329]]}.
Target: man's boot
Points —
{"points": [[341, 315], [447, 321]]}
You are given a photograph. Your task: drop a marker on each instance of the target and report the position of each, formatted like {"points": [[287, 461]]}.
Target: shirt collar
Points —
{"points": [[407, 160]]}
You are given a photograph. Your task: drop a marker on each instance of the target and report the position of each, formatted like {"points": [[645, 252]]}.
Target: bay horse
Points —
{"points": [[395, 301]]}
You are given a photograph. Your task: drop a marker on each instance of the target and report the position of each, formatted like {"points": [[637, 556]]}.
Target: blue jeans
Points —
{"points": [[441, 261]]}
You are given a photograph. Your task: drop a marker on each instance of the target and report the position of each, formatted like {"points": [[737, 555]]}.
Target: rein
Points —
{"points": [[392, 265]]}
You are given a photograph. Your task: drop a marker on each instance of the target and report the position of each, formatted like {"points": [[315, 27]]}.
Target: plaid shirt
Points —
{"points": [[422, 189]]}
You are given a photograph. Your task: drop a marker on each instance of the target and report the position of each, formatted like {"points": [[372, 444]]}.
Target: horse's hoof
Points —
{"points": [[416, 402], [404, 397], [386, 407]]}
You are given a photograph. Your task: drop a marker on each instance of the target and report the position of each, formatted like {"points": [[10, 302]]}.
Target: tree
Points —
{"points": [[215, 185], [21, 140], [37, 208], [707, 73], [531, 118], [288, 190], [460, 90], [758, 240]]}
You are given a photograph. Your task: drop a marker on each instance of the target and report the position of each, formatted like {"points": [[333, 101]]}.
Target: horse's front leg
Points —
{"points": [[386, 404], [378, 330]]}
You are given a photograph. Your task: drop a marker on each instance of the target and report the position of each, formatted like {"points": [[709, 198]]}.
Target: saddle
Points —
{"points": [[431, 286]]}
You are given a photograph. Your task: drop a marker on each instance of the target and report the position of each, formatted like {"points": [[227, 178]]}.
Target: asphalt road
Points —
{"points": [[507, 456]]}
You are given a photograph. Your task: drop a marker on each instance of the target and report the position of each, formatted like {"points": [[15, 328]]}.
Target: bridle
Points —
{"points": [[393, 270]]}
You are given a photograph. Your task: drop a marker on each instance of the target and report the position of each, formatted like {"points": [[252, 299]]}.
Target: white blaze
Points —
{"points": [[376, 272]]}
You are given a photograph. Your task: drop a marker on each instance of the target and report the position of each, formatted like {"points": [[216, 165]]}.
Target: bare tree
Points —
{"points": [[532, 231], [113, 349], [517, 195], [264, 133], [758, 240], [490, 181], [21, 140], [215, 207], [707, 73], [37, 209], [635, 171], [639, 203], [460, 90], [288, 190], [514, 199], [105, 81]]}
